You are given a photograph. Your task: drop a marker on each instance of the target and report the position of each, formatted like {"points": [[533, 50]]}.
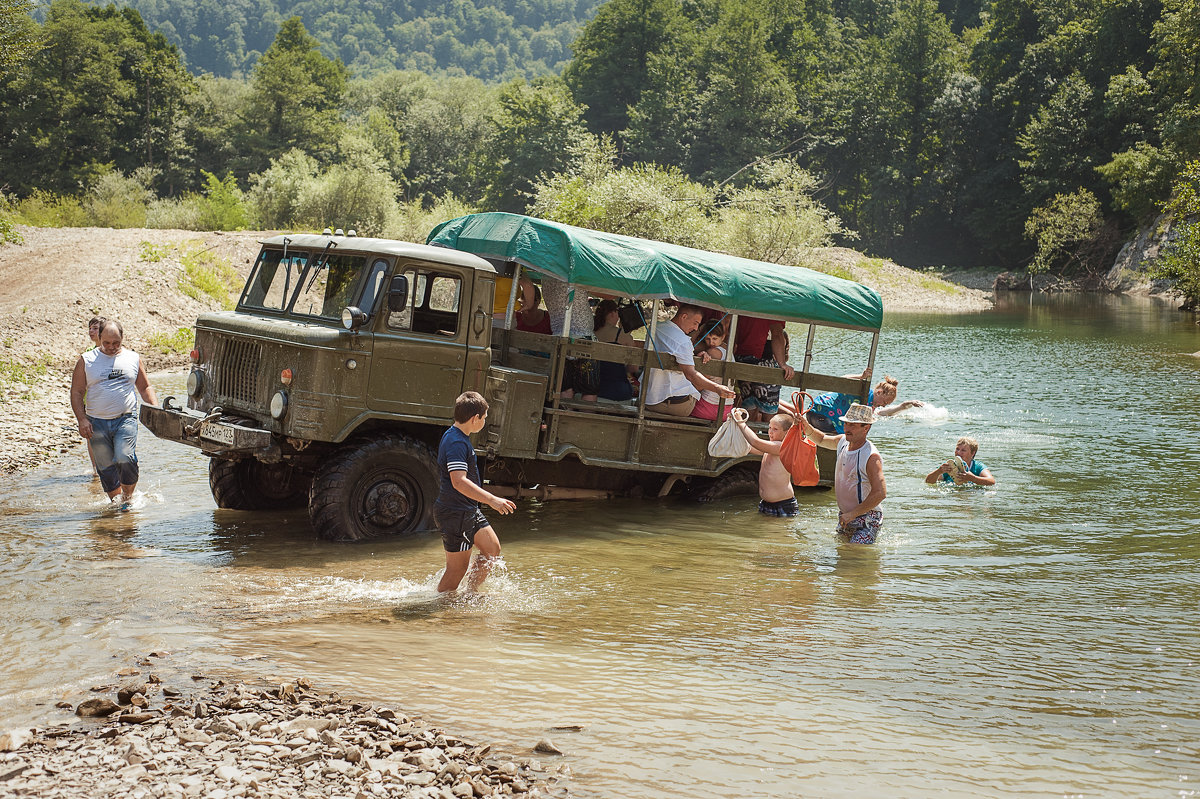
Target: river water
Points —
{"points": [[1038, 639]]}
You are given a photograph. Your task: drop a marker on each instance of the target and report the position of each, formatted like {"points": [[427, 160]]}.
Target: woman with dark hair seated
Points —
{"points": [[613, 377]]}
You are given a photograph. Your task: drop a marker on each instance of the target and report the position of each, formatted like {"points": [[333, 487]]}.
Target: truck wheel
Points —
{"points": [[250, 484], [374, 487], [735, 482]]}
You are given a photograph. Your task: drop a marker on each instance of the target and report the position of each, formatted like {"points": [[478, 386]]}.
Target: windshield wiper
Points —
{"points": [[322, 263]]}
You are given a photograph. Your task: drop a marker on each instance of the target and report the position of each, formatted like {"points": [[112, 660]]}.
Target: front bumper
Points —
{"points": [[210, 434]]}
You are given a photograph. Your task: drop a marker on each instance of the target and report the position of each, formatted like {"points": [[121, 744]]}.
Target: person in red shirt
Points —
{"points": [[761, 400]]}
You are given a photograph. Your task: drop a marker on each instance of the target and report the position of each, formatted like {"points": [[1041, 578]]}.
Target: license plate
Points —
{"points": [[217, 432]]}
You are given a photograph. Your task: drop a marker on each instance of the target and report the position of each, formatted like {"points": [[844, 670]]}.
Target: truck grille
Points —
{"points": [[237, 372]]}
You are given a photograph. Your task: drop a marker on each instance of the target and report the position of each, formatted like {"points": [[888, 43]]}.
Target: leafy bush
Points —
{"points": [[648, 201], [1061, 227], [358, 196], [1139, 177], [275, 193], [182, 213], [1181, 260], [179, 341], [8, 225], [208, 278], [119, 201], [413, 221], [221, 207], [46, 209], [775, 218]]}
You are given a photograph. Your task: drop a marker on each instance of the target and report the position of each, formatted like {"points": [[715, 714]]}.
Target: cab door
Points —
{"points": [[421, 352]]}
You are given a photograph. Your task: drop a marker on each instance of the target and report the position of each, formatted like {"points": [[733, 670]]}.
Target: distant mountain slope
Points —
{"points": [[493, 40]]}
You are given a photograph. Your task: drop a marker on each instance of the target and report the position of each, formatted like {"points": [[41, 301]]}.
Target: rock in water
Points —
{"points": [[547, 746], [97, 707]]}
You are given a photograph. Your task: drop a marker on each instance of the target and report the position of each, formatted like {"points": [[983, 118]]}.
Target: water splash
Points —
{"points": [[927, 413]]}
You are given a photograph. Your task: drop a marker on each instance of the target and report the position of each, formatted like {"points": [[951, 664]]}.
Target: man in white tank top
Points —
{"points": [[858, 476], [112, 378]]}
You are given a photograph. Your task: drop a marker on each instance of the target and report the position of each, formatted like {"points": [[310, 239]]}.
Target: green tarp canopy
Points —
{"points": [[640, 268]]}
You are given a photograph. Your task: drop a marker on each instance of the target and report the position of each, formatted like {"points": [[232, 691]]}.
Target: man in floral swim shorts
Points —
{"points": [[858, 476]]}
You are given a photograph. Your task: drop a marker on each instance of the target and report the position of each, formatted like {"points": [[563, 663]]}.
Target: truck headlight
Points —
{"points": [[279, 404], [195, 383]]}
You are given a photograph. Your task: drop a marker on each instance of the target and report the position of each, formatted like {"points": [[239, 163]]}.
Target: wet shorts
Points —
{"points": [[458, 527], [864, 529], [784, 507]]}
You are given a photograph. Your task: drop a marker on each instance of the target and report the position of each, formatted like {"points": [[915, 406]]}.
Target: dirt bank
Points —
{"points": [[157, 281]]}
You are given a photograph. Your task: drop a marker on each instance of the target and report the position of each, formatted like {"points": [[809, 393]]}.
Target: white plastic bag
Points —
{"points": [[729, 441]]}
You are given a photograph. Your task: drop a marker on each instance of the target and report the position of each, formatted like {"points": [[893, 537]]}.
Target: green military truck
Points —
{"points": [[332, 380]]}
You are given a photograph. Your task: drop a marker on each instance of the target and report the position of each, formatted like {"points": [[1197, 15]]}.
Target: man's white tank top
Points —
{"points": [[850, 482], [111, 391]]}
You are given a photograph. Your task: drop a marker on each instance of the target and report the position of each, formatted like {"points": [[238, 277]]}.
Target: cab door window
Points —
{"points": [[433, 304]]}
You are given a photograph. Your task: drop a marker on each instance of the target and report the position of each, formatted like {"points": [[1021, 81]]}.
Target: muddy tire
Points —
{"points": [[374, 487], [737, 481], [249, 484]]}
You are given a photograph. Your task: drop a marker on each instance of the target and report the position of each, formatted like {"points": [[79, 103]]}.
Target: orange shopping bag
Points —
{"points": [[798, 453]]}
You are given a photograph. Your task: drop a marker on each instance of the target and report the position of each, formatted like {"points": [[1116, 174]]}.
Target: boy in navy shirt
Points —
{"points": [[456, 511]]}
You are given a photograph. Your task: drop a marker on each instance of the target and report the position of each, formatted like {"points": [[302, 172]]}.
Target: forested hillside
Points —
{"points": [[488, 39], [1017, 133]]}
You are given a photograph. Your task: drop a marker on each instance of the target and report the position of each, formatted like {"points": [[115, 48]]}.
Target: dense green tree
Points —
{"points": [[1181, 260], [494, 40], [612, 57], [447, 128], [19, 36], [538, 127], [296, 100], [1176, 76], [104, 92]]}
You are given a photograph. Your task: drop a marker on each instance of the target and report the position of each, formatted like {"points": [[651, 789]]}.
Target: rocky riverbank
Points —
{"points": [[144, 738]]}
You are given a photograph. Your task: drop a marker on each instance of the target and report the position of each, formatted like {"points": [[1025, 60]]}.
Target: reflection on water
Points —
{"points": [[1029, 640]]}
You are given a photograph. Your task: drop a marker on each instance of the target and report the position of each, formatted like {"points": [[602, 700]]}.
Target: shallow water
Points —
{"points": [[1032, 640]]}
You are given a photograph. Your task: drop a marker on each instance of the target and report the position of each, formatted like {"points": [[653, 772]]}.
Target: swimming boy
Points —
{"points": [[962, 468], [776, 495], [456, 511], [858, 476]]}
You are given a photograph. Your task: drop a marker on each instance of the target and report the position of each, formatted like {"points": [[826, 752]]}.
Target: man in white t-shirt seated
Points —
{"points": [[676, 392]]}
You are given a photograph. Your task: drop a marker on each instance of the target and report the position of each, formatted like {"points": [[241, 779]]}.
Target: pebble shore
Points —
{"points": [[143, 739]]}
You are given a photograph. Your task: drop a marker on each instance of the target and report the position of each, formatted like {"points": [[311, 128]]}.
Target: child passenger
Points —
{"points": [[962, 468], [776, 495], [456, 511], [712, 348]]}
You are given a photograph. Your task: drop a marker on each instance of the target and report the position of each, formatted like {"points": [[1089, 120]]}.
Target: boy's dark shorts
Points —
{"points": [[784, 507], [458, 527]]}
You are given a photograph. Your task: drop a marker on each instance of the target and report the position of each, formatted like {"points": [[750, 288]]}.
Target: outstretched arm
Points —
{"points": [[891, 410], [703, 383], [757, 444], [821, 439]]}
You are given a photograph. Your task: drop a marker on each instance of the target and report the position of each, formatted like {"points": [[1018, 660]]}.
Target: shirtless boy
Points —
{"points": [[776, 495]]}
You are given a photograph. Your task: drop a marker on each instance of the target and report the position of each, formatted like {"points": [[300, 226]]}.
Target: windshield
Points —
{"points": [[309, 283]]}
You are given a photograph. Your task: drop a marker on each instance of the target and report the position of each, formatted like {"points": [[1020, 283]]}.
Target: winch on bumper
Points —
{"points": [[206, 431]]}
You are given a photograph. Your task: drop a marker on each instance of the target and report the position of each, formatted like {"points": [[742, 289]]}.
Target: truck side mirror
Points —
{"points": [[398, 294]]}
